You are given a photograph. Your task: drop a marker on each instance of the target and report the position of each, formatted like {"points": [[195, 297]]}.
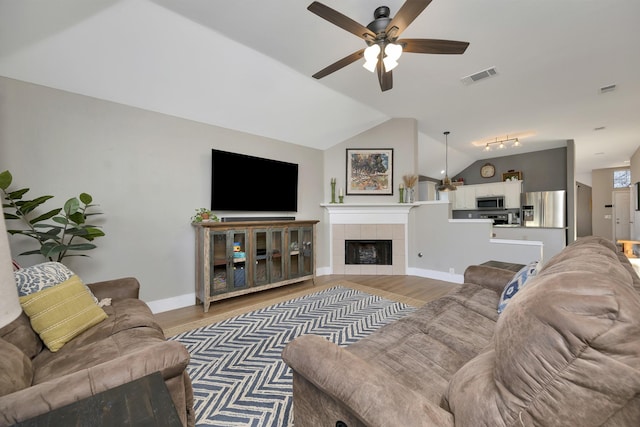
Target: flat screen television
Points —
{"points": [[246, 183]]}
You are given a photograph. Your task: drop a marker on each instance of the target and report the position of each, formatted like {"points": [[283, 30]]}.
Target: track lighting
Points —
{"points": [[501, 143]]}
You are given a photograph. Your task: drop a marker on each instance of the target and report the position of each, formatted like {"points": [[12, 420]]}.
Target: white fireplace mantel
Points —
{"points": [[368, 221], [368, 213]]}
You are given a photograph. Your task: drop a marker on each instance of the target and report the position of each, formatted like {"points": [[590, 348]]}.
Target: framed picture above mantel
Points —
{"points": [[370, 171]]}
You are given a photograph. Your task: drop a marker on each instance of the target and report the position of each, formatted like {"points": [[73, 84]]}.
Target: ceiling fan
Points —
{"points": [[381, 37]]}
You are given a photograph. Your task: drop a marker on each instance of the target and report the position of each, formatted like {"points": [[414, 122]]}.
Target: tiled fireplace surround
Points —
{"points": [[368, 222]]}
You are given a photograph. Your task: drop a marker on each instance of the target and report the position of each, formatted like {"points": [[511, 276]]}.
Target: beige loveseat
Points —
{"points": [[127, 345], [564, 352]]}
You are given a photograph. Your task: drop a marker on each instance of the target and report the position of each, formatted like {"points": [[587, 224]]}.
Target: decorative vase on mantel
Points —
{"points": [[333, 190], [409, 195]]}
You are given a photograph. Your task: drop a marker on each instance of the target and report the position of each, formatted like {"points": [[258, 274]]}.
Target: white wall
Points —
{"points": [[147, 171]]}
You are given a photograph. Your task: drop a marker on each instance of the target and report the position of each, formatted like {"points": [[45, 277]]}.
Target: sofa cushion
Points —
{"points": [[16, 370], [21, 334], [129, 327], [518, 281], [60, 313], [563, 352], [42, 276], [424, 349]]}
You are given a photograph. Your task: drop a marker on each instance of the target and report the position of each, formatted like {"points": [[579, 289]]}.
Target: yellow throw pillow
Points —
{"points": [[62, 312]]}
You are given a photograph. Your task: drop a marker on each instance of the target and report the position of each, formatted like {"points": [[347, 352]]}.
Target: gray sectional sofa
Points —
{"points": [[564, 352]]}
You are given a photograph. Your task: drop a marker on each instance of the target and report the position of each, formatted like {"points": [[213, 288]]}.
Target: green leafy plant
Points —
{"points": [[68, 235], [203, 214]]}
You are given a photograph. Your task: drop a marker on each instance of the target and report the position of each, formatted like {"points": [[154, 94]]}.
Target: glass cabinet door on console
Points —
{"points": [[300, 251], [295, 237], [306, 252], [228, 261], [268, 247]]}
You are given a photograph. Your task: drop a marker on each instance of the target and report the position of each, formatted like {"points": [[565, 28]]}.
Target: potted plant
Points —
{"points": [[203, 214], [56, 240]]}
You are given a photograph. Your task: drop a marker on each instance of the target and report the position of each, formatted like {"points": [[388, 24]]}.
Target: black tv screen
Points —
{"points": [[246, 183]]}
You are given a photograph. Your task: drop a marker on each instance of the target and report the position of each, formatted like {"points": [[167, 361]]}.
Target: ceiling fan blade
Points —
{"points": [[341, 20], [339, 64], [433, 46], [385, 79], [405, 16]]}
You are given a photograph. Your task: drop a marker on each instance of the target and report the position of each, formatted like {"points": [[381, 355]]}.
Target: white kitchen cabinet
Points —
{"points": [[490, 189], [512, 191], [464, 197]]}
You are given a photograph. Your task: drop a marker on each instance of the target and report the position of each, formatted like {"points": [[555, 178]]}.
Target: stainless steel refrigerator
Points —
{"points": [[544, 209]]}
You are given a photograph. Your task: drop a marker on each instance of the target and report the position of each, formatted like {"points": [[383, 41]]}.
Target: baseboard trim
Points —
{"points": [[167, 304], [437, 275]]}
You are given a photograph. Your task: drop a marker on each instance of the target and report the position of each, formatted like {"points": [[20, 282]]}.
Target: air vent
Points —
{"points": [[473, 78], [606, 89]]}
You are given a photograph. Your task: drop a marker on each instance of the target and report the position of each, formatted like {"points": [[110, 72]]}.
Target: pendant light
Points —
{"points": [[446, 182]]}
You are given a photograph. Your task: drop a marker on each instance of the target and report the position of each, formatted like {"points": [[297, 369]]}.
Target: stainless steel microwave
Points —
{"points": [[492, 202]]}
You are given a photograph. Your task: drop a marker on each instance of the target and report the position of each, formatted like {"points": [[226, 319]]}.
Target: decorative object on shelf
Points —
{"points": [[487, 170], [57, 240], [341, 196], [446, 182], [204, 214], [512, 175], [401, 191], [333, 190], [370, 171], [410, 182], [501, 143]]}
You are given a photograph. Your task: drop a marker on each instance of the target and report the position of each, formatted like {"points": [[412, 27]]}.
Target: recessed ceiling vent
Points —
{"points": [[605, 89], [473, 78]]}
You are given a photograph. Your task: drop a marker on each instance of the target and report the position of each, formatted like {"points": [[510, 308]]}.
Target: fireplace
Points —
{"points": [[376, 252], [369, 223]]}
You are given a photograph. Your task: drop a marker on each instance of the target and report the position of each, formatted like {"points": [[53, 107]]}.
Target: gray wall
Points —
{"points": [[147, 171], [584, 215], [541, 170]]}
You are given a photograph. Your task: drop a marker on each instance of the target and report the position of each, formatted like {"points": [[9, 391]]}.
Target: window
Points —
{"points": [[622, 178]]}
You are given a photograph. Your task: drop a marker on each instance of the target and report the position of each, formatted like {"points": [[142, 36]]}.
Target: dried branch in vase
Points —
{"points": [[410, 180]]}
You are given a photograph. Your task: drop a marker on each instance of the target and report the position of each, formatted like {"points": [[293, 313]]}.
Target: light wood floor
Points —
{"points": [[411, 290]]}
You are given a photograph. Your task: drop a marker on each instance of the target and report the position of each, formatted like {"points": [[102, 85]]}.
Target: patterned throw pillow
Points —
{"points": [[517, 282], [42, 276], [62, 312]]}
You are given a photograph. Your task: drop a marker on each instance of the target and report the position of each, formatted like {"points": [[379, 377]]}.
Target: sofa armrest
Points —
{"points": [[168, 357], [372, 395], [127, 287], [488, 277]]}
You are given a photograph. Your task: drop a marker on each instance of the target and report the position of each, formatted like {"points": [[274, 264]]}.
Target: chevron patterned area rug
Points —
{"points": [[239, 378]]}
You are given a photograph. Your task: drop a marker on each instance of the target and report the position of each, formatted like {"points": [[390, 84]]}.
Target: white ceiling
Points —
{"points": [[247, 65]]}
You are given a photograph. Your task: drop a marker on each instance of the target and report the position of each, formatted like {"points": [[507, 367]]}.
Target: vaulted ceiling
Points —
{"points": [[247, 65]]}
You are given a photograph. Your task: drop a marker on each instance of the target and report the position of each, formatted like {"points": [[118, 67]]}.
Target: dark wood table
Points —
{"points": [[143, 402]]}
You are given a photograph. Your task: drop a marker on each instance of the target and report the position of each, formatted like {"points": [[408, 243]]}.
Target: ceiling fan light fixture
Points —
{"points": [[389, 64], [516, 143], [487, 147], [392, 53], [371, 57]]}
